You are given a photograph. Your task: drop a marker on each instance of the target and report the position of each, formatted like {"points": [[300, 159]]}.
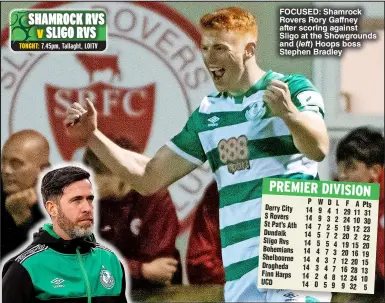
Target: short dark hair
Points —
{"points": [[56, 180], [364, 144]]}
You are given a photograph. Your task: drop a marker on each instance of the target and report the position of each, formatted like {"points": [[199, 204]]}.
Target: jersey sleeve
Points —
{"points": [[122, 296], [187, 143], [304, 95], [17, 284]]}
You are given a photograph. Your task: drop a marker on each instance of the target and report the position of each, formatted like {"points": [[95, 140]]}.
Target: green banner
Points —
{"points": [[58, 30], [316, 188]]}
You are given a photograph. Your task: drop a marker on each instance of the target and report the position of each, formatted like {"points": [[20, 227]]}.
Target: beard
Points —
{"points": [[71, 229]]}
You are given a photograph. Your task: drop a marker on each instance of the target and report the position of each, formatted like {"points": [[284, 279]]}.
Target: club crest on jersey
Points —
{"points": [[234, 153], [256, 111], [106, 278]]}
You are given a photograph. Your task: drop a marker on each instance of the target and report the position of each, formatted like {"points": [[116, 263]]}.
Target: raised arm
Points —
{"points": [[145, 175]]}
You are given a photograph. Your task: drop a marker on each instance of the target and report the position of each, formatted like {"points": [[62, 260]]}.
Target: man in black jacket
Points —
{"points": [[25, 154], [64, 261]]}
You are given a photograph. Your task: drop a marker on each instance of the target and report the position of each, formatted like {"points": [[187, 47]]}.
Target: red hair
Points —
{"points": [[231, 19]]}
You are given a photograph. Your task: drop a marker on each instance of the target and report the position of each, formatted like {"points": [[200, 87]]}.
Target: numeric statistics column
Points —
{"points": [[318, 235]]}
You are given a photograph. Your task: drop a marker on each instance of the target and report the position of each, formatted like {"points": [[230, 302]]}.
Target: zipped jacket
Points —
{"points": [[63, 271]]}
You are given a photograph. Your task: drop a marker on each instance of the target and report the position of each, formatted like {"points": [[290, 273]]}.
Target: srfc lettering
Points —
{"points": [[110, 98]]}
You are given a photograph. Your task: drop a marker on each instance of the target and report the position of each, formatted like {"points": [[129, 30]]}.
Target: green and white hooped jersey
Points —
{"points": [[244, 144]]}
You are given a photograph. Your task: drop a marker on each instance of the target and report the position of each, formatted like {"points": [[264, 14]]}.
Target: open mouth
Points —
{"points": [[217, 72]]}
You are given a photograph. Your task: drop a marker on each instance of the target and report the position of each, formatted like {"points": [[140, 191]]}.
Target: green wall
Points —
{"points": [[267, 18]]}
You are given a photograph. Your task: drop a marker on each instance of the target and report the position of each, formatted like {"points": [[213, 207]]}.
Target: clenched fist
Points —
{"points": [[81, 121], [277, 98], [160, 270], [19, 205]]}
